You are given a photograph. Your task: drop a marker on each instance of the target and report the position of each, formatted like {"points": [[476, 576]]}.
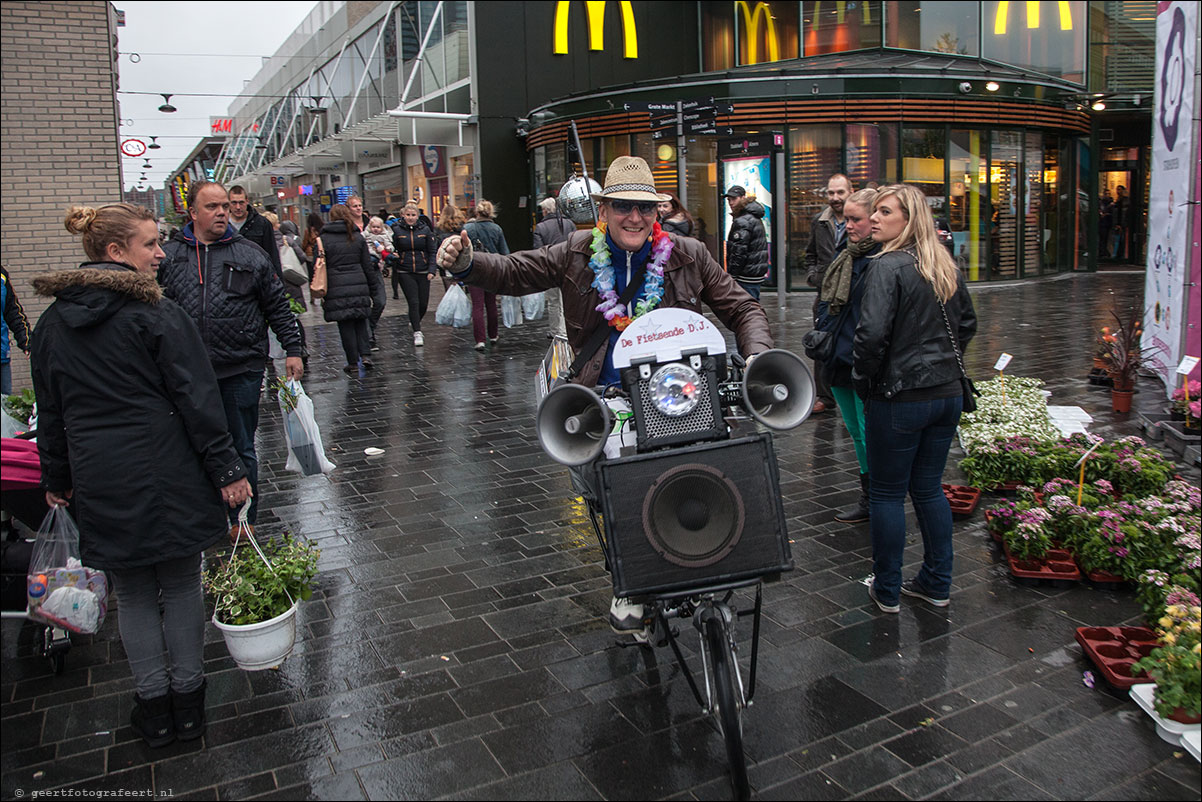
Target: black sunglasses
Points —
{"points": [[646, 208]]}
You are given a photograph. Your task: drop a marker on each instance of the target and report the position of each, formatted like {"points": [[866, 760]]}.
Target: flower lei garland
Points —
{"points": [[603, 281]]}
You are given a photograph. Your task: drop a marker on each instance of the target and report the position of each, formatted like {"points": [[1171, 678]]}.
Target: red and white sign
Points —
{"points": [[664, 334], [133, 148]]}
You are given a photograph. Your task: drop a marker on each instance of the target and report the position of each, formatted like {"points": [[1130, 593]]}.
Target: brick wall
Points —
{"points": [[58, 136]]}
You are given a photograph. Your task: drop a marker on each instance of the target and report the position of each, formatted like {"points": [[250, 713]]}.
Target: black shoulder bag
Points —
{"points": [[967, 387], [819, 344]]}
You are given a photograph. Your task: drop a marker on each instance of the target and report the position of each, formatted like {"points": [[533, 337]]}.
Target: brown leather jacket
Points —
{"points": [[690, 277]]}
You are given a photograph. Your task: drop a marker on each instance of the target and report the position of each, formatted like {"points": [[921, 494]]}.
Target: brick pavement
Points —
{"points": [[457, 646]]}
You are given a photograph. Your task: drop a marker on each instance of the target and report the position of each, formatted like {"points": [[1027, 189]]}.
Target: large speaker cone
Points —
{"points": [[693, 515]]}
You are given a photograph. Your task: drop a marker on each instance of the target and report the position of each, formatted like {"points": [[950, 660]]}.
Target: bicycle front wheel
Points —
{"points": [[728, 701]]}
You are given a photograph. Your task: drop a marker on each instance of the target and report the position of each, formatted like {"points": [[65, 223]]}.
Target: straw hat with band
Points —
{"points": [[629, 178]]}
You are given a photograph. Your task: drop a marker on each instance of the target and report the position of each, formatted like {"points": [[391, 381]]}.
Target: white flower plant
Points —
{"points": [[1021, 410]]}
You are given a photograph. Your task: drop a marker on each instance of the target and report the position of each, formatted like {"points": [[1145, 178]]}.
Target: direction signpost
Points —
{"points": [[681, 118]]}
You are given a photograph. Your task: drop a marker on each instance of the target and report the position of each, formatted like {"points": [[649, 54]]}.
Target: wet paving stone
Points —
{"points": [[457, 644]]}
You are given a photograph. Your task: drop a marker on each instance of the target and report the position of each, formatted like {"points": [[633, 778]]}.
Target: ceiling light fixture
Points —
{"points": [[992, 86]]}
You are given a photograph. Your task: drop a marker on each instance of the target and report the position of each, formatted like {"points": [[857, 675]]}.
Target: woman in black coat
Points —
{"points": [[351, 276], [132, 435], [413, 267]]}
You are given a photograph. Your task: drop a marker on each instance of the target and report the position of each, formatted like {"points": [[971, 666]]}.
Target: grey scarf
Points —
{"points": [[836, 282]]}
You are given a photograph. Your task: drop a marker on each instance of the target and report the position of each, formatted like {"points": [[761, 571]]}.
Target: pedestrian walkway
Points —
{"points": [[457, 646]]}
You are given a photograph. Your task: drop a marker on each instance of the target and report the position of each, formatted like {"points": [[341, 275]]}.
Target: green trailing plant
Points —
{"points": [[247, 591]]}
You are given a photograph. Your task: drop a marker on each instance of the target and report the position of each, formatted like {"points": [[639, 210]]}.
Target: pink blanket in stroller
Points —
{"points": [[20, 468]]}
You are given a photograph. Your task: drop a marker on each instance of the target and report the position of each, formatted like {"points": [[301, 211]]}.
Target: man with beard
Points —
{"points": [[828, 236]]}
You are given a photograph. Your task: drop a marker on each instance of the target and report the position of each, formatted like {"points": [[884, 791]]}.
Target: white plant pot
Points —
{"points": [[1168, 730], [255, 647]]}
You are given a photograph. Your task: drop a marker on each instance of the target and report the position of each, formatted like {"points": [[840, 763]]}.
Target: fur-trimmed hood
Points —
{"points": [[96, 290]]}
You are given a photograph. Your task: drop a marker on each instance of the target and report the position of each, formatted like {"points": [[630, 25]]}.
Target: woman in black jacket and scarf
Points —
{"points": [[842, 290], [131, 434], [414, 266], [350, 278], [916, 317]]}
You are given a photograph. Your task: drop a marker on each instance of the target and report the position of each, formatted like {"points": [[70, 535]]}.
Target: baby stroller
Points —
{"points": [[24, 501]]}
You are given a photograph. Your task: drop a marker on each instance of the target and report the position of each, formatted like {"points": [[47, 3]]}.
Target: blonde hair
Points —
{"points": [[114, 223], [272, 218], [934, 263], [451, 219], [486, 209], [411, 205], [862, 198]]}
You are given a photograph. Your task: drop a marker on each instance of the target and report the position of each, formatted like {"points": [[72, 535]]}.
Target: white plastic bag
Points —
{"points": [[60, 591], [534, 306], [455, 308], [274, 349], [511, 310], [306, 455]]}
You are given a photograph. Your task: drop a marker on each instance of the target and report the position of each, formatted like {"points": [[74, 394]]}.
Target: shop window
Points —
{"points": [[1005, 195], [717, 36], [834, 27], [1052, 205], [1122, 44], [660, 155], [813, 156], [870, 154], [939, 27], [701, 173], [923, 157], [766, 31], [968, 201], [1034, 234], [1044, 36]]}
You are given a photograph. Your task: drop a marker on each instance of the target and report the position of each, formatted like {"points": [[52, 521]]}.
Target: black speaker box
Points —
{"points": [[689, 517], [657, 430]]}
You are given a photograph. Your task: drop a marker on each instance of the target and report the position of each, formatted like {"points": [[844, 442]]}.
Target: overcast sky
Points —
{"points": [[193, 47]]}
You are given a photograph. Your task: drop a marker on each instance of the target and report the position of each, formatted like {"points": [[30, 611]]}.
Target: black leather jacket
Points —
{"points": [[901, 341]]}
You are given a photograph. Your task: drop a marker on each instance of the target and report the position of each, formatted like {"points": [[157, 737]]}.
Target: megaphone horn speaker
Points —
{"points": [[573, 424], [778, 389]]}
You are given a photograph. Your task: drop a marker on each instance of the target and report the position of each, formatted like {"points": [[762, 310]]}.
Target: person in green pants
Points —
{"points": [[842, 285]]}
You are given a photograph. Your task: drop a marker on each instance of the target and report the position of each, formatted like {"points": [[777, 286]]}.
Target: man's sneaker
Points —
{"points": [[479, 346], [912, 588], [625, 616], [418, 339], [885, 608]]}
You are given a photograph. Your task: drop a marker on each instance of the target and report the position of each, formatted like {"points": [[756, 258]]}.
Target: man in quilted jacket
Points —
{"points": [[229, 287]]}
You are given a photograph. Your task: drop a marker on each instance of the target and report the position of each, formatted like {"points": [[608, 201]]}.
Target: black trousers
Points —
{"points": [[416, 287], [356, 339]]}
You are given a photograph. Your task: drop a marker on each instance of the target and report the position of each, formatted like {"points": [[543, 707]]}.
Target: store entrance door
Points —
{"points": [[1120, 209]]}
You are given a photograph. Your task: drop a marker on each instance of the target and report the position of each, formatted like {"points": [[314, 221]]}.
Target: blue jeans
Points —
{"points": [[908, 443], [240, 398], [752, 289]]}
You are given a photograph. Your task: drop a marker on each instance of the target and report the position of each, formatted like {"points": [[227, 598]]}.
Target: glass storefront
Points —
{"points": [[937, 27], [1043, 36], [1012, 198]]}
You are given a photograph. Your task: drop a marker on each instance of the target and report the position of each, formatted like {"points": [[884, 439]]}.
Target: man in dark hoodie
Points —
{"points": [[747, 256], [227, 285], [253, 226]]}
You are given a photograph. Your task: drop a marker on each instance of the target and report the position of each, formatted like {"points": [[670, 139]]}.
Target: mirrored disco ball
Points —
{"points": [[573, 199]]}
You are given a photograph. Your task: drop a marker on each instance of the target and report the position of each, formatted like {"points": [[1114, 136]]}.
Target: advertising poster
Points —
{"points": [[754, 174], [1174, 161]]}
